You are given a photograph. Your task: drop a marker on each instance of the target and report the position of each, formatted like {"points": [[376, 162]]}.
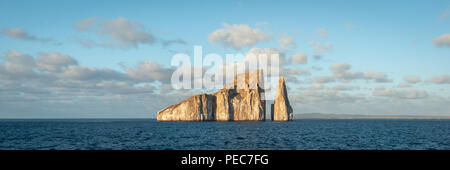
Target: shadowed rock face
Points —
{"points": [[238, 101], [281, 109]]}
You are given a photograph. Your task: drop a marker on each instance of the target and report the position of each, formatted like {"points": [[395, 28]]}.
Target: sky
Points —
{"points": [[111, 59]]}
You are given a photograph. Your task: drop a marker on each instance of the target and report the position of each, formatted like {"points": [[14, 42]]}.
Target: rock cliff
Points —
{"points": [[195, 108], [238, 101], [281, 108]]}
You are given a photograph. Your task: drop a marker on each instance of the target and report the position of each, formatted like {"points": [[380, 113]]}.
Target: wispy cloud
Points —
{"points": [[287, 42], [120, 32], [343, 72], [443, 40], [237, 36], [441, 79], [167, 43], [299, 58], [412, 79], [322, 33], [19, 33], [445, 14], [320, 48]]}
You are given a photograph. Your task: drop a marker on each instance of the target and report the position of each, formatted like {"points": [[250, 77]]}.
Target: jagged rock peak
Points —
{"points": [[281, 110]]}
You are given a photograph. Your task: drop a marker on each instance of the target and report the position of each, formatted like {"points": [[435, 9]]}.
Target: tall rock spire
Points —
{"points": [[281, 109]]}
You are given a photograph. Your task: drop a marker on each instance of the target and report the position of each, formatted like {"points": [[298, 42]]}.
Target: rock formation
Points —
{"points": [[195, 108], [281, 109], [238, 101]]}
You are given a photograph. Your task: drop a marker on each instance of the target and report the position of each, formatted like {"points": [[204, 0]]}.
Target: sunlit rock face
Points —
{"points": [[281, 109], [238, 101], [195, 108]]}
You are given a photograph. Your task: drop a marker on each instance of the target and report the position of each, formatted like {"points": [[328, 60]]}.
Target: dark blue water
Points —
{"points": [[298, 134]]}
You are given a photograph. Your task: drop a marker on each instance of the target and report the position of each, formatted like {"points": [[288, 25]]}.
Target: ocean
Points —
{"points": [[148, 134]]}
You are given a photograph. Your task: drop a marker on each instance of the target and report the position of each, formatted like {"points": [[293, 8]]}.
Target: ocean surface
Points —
{"points": [[148, 134]]}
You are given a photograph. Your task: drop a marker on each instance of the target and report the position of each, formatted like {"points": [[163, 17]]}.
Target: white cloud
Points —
{"points": [[85, 24], [402, 94], [77, 72], [237, 36], [119, 32], [382, 91], [322, 33], [287, 42], [167, 43], [57, 66], [404, 85], [148, 71], [377, 77], [442, 40], [442, 79], [343, 72], [317, 86], [54, 83], [340, 67], [16, 65], [293, 72], [412, 94], [127, 33], [269, 52], [323, 79], [315, 95], [412, 79], [319, 48], [54, 61], [18, 33], [345, 88], [299, 58]]}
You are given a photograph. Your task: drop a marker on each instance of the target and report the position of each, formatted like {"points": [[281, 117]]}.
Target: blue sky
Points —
{"points": [[396, 39]]}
